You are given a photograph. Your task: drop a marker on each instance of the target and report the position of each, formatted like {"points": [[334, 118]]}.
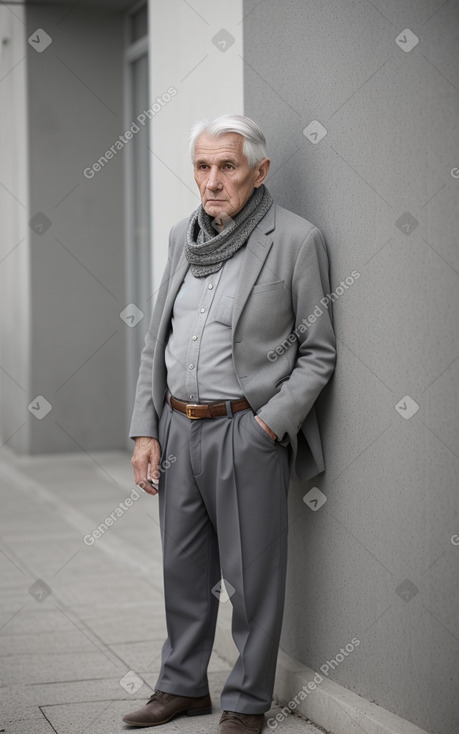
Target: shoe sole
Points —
{"points": [[189, 712]]}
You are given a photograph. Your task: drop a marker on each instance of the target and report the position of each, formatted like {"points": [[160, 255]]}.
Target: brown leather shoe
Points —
{"points": [[232, 722], [162, 707]]}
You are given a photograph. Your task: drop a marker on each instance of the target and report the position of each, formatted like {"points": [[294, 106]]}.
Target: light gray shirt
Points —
{"points": [[199, 356]]}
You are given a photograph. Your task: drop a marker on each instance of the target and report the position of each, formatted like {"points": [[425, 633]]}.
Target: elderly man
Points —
{"points": [[236, 355]]}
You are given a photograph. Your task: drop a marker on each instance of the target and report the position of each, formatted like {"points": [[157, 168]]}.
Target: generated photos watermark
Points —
{"points": [[312, 685], [134, 128], [274, 354], [122, 507]]}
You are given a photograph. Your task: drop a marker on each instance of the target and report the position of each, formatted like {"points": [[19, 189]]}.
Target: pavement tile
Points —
{"points": [[50, 668], [15, 705], [44, 555], [12, 576], [46, 643], [17, 519], [37, 724], [102, 717], [74, 691], [139, 656], [34, 621], [15, 590], [133, 624], [108, 589]]}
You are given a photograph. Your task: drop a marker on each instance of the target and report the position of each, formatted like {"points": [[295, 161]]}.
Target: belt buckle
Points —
{"points": [[189, 411]]}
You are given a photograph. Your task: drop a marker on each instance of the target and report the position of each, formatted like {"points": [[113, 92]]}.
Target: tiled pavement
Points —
{"points": [[81, 625]]}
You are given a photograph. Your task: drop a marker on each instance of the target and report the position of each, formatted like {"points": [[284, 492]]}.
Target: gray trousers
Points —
{"points": [[223, 513]]}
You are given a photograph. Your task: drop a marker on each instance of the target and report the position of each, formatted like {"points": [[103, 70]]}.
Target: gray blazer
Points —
{"points": [[283, 339]]}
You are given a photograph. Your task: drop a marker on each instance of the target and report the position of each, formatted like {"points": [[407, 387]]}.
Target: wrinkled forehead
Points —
{"points": [[219, 147]]}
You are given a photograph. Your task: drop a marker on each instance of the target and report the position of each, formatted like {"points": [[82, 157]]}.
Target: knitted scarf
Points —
{"points": [[207, 249]]}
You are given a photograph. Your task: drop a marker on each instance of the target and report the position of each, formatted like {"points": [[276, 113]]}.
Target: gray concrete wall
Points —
{"points": [[14, 241], [77, 267], [375, 563]]}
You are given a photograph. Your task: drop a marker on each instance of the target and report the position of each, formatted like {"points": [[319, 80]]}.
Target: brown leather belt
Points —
{"points": [[206, 410]]}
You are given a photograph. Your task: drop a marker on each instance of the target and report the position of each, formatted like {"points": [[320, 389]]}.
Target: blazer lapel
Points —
{"points": [[257, 249]]}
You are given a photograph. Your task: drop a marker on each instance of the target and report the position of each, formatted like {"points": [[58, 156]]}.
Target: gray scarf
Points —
{"points": [[206, 251]]}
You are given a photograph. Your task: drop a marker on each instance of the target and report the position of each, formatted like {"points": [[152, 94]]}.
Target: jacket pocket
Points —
{"points": [[275, 285]]}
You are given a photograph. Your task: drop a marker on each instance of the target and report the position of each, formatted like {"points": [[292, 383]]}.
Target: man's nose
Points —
{"points": [[214, 182]]}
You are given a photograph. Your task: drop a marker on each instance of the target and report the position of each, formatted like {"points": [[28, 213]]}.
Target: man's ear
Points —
{"points": [[262, 170]]}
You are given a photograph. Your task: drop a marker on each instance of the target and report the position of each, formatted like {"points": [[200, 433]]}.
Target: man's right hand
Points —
{"points": [[145, 460]]}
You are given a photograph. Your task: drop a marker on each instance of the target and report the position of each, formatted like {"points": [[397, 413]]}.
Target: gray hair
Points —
{"points": [[254, 144]]}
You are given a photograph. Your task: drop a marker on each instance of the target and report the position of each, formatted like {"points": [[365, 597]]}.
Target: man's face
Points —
{"points": [[222, 174]]}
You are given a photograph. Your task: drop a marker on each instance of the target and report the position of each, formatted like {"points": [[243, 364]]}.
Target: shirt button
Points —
{"points": [[191, 366], [194, 337], [203, 310], [210, 286]]}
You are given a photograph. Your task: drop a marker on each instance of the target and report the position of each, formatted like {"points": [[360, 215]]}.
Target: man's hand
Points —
{"points": [[145, 460], [266, 428]]}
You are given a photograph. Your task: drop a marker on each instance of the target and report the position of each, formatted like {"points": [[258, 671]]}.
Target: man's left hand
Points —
{"points": [[266, 428]]}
